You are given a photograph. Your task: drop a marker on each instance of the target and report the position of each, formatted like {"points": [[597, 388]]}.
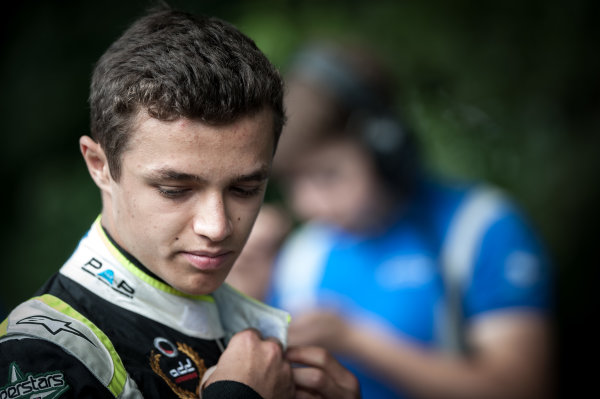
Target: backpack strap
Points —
{"points": [[478, 211], [49, 318]]}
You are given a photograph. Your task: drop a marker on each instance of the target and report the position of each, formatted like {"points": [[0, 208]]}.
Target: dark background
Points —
{"points": [[505, 91]]}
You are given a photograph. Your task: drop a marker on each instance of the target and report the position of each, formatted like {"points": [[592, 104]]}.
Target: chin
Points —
{"points": [[201, 288]]}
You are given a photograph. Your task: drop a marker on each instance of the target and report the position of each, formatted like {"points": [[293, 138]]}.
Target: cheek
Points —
{"points": [[243, 220], [132, 208], [142, 202], [243, 224], [146, 215], [352, 195]]}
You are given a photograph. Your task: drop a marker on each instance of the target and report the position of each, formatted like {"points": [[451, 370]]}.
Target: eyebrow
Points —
{"points": [[261, 174]]}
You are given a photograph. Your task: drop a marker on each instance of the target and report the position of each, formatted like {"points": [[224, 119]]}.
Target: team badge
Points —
{"points": [[107, 276], [48, 385], [179, 366]]}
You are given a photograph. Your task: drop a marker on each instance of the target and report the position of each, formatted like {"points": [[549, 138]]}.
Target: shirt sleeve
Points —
{"points": [[37, 368], [229, 390], [512, 269]]}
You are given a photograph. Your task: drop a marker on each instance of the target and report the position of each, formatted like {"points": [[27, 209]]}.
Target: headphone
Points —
{"points": [[371, 118]]}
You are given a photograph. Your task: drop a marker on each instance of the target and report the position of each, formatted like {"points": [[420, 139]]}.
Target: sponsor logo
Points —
{"points": [[165, 347], [48, 385], [179, 366], [53, 326], [184, 372], [108, 277], [406, 271], [523, 269]]}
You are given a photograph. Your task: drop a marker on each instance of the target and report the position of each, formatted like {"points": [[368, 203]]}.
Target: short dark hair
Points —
{"points": [[173, 64]]}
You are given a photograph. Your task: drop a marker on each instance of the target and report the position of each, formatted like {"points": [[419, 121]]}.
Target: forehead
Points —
{"points": [[191, 144], [338, 152]]}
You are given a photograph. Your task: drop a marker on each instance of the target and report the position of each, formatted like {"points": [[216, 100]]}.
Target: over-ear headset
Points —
{"points": [[371, 119]]}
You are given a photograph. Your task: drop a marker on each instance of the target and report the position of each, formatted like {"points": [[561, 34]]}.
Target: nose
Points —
{"points": [[211, 219]]}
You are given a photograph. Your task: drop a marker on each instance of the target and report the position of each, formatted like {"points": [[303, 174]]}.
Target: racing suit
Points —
{"points": [[105, 327]]}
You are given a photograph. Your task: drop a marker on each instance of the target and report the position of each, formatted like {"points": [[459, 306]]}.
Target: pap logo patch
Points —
{"points": [[108, 277], [48, 385]]}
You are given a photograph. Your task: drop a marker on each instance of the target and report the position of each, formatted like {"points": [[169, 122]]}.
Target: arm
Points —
{"points": [[510, 352], [34, 367], [227, 389]]}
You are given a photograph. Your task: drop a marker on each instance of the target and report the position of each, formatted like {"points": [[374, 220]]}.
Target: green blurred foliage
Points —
{"points": [[504, 91]]}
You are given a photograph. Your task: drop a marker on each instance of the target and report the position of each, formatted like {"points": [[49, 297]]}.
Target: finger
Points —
{"points": [[249, 335], [317, 357], [309, 355], [276, 341], [253, 331], [304, 394], [251, 341], [311, 379], [320, 358]]}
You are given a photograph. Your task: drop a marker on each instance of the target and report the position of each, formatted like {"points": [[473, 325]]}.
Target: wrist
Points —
{"points": [[348, 339]]}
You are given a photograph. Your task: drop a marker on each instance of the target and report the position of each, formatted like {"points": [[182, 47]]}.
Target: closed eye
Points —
{"points": [[172, 192], [247, 192]]}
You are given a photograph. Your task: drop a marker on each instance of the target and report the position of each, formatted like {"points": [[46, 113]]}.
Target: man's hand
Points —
{"points": [[320, 327], [319, 375], [256, 362]]}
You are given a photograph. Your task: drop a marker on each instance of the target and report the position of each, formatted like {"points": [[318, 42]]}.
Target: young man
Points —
{"points": [[425, 289], [185, 117]]}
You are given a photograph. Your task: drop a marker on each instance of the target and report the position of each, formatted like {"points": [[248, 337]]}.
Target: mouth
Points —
{"points": [[207, 261]]}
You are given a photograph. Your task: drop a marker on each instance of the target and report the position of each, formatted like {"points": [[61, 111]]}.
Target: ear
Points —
{"points": [[96, 162]]}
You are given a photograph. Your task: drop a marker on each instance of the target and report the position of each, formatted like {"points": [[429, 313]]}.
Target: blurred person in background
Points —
{"points": [[252, 271], [424, 287]]}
